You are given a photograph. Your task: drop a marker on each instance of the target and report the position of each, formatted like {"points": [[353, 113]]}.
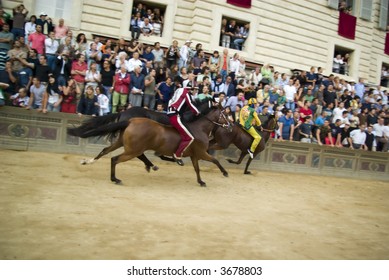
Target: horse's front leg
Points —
{"points": [[247, 166], [195, 162], [242, 155]]}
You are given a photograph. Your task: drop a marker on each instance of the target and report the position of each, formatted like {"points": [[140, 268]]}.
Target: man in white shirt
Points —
{"points": [[51, 47], [358, 137], [184, 55], [146, 28], [290, 95], [338, 112], [234, 66], [381, 133], [134, 61]]}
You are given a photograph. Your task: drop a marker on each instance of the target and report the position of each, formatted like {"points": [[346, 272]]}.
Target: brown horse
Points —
{"points": [[242, 140], [142, 134]]}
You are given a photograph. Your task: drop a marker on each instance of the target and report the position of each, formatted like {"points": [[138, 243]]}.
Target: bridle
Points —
{"points": [[227, 125], [273, 128]]}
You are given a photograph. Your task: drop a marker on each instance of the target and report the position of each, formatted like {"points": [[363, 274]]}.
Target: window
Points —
{"points": [[154, 12], [55, 8], [384, 16], [384, 74], [366, 9], [234, 33], [342, 61]]}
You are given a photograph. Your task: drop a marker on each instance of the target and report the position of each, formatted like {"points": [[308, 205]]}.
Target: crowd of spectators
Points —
{"points": [[48, 68]]}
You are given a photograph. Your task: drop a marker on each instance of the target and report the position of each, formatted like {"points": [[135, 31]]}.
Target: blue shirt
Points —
{"points": [[137, 81], [232, 102], [166, 91], [287, 124], [319, 121]]}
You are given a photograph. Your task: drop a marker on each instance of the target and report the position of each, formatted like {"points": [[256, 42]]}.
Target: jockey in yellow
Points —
{"points": [[248, 116]]}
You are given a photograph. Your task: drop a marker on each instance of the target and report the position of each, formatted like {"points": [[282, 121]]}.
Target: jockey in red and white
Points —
{"points": [[176, 105]]}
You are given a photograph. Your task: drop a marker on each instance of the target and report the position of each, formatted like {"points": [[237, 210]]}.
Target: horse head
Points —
{"points": [[216, 114], [271, 124]]}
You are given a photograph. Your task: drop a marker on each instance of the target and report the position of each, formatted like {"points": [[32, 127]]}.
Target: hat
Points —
{"points": [[352, 81], [188, 41], [43, 14]]}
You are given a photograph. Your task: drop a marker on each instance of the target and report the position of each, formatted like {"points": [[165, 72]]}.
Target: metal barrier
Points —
{"points": [[30, 130]]}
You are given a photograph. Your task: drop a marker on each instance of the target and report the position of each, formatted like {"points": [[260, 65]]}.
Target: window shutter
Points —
{"points": [[366, 9], [333, 4], [383, 14]]}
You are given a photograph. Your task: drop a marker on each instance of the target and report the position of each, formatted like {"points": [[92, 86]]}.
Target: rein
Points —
{"points": [[223, 125]]}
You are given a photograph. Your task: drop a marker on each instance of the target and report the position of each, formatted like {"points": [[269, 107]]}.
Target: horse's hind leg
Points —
{"points": [[105, 151], [242, 155], [210, 158], [195, 162], [114, 161], [147, 163]]}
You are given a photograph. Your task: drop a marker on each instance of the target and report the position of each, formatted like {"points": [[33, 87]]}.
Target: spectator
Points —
{"points": [[37, 40], [184, 54], [305, 111], [92, 76], [172, 54], [81, 44], [137, 86], [370, 138], [29, 27], [338, 64], [102, 100], [43, 70], [234, 66], [225, 38], [242, 36], [37, 91], [146, 28], [358, 137], [16, 56], [88, 104], [78, 72], [70, 93], [214, 64], [133, 62], [290, 95], [149, 96], [53, 96], [372, 117], [336, 131], [93, 55], [158, 55], [6, 38], [51, 49], [135, 27], [224, 64], [329, 96], [323, 134], [20, 99], [19, 17], [60, 30], [286, 126], [63, 68], [360, 88], [235, 100], [381, 135], [306, 130], [165, 92]]}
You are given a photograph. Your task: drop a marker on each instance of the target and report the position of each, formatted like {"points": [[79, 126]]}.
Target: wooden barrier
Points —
{"points": [[29, 130]]}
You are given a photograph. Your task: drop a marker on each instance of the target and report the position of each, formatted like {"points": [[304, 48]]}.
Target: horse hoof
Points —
{"points": [[247, 172], [230, 160], [117, 181], [202, 184], [155, 168], [83, 161], [147, 168], [225, 174]]}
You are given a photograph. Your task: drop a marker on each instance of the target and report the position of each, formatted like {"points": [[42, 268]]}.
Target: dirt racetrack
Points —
{"points": [[54, 208]]}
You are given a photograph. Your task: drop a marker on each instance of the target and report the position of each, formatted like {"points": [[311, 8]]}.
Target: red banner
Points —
{"points": [[387, 44], [347, 25], [240, 3]]}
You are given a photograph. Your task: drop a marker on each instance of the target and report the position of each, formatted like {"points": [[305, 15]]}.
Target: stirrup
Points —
{"points": [[178, 160]]}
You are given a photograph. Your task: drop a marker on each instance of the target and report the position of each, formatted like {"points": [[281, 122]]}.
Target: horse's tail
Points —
{"points": [[100, 126]]}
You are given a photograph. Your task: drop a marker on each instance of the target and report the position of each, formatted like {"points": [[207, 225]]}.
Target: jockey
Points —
{"points": [[176, 106], [247, 117]]}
